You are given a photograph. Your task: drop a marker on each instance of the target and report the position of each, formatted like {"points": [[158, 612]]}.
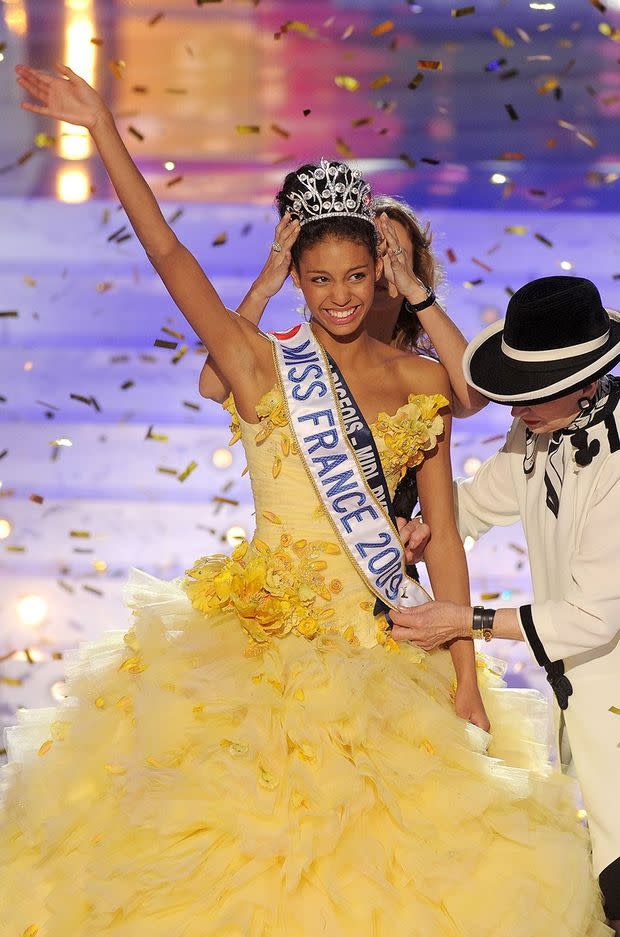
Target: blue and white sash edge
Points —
{"points": [[373, 545]]}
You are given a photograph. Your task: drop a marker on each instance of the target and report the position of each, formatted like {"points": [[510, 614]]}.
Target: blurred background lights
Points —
{"points": [[58, 691], [566, 265], [169, 165], [5, 528], [222, 458], [234, 535], [498, 178], [31, 609], [471, 465], [72, 185]]}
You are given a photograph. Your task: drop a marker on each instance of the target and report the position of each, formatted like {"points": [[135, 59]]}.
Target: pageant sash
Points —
{"points": [[357, 510]]}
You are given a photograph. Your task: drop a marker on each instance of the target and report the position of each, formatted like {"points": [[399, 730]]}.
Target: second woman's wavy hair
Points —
{"points": [[408, 331]]}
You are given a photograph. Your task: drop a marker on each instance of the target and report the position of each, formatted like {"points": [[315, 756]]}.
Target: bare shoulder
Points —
{"points": [[422, 375]]}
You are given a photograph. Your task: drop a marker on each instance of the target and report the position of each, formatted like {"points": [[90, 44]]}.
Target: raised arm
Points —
{"points": [[270, 281], [239, 351], [448, 340]]}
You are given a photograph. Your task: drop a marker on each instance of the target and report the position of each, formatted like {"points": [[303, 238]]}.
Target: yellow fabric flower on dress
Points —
{"points": [[273, 591], [403, 438], [271, 412], [235, 425]]}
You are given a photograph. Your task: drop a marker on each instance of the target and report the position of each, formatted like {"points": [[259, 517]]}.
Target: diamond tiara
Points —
{"points": [[331, 190]]}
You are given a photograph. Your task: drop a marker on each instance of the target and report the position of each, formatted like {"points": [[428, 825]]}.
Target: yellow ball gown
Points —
{"points": [[255, 757]]}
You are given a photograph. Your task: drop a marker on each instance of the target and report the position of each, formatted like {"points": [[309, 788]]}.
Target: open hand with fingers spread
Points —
{"points": [[397, 266], [277, 267], [65, 96]]}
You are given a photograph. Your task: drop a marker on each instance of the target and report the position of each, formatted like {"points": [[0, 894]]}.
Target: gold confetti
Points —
{"points": [[347, 82], [83, 534], [550, 85], [381, 28], [45, 747], [44, 140], [362, 121], [158, 437], [219, 239], [166, 471], [96, 42], [489, 596], [187, 471], [433, 65], [523, 35], [11, 681], [380, 82], [611, 32], [502, 37], [343, 148], [91, 589], [247, 128], [29, 281], [416, 81], [271, 517], [462, 11], [162, 343], [104, 286], [279, 130], [182, 351], [516, 229], [586, 138], [9, 314], [615, 710], [117, 66], [349, 30]]}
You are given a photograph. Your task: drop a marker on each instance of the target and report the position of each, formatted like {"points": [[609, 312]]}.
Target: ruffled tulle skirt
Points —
{"points": [[190, 787]]}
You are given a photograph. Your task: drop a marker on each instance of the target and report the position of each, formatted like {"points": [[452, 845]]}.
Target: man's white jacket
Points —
{"points": [[575, 616]]}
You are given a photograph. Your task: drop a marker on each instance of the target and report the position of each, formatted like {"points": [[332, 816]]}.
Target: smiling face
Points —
{"points": [[555, 414], [337, 277]]}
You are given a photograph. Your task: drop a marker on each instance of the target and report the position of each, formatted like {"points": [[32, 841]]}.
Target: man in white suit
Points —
{"points": [[559, 474]]}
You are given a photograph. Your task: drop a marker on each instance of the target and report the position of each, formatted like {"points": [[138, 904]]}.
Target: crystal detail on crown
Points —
{"points": [[331, 190]]}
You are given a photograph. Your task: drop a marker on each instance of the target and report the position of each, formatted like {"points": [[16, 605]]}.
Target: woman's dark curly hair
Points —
{"points": [[408, 331], [346, 228]]}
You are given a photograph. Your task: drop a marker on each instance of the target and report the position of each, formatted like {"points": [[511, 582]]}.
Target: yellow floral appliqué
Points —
{"points": [[271, 413], [402, 439], [273, 591]]}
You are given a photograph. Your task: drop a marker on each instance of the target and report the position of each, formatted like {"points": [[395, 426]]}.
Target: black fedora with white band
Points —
{"points": [[557, 336]]}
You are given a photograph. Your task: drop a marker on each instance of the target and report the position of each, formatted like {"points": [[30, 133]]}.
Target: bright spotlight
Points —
{"points": [[222, 458], [5, 528], [498, 178], [471, 465], [32, 609], [234, 535]]}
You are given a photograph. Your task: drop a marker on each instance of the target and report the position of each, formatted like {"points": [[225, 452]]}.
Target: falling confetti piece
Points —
{"points": [[182, 351], [174, 181], [219, 499], [306, 111], [136, 133], [155, 19], [482, 264], [247, 128], [489, 596], [430, 64], [38, 499], [362, 121], [430, 160], [117, 66], [96, 41], [189, 404], [509, 155], [279, 130], [462, 11], [543, 239], [104, 287], [343, 148], [172, 332], [9, 314], [516, 229], [511, 112], [157, 437], [167, 471], [451, 255], [162, 343], [407, 160], [44, 140], [381, 28], [380, 82], [219, 239], [348, 82], [550, 85], [503, 38], [611, 32], [187, 471]]}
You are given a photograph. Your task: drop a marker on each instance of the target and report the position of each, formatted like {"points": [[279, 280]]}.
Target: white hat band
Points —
{"points": [[555, 354]]}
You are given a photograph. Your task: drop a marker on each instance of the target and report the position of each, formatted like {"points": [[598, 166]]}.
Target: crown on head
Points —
{"points": [[329, 191]]}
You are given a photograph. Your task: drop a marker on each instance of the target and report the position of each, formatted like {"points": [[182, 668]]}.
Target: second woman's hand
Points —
{"points": [[397, 267], [65, 96], [277, 267]]}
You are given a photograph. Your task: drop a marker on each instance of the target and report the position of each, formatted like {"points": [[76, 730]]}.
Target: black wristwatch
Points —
{"points": [[482, 623], [418, 307]]}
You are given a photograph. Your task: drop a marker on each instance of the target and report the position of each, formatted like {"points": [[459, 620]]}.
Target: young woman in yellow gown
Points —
{"points": [[255, 757]]}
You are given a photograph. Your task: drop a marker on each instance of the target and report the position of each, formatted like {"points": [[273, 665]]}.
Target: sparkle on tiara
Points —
{"points": [[331, 190]]}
